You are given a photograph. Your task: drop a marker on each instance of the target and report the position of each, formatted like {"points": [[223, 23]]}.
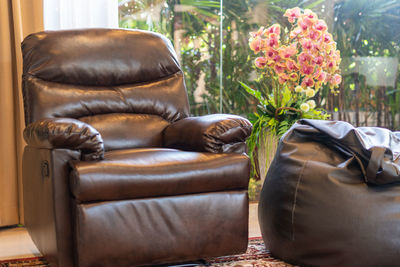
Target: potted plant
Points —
{"points": [[298, 61]]}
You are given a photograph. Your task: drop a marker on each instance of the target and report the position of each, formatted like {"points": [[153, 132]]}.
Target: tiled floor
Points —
{"points": [[254, 227], [16, 242]]}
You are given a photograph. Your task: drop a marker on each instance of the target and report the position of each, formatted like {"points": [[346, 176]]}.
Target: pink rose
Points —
{"points": [[320, 75], [314, 35], [307, 82], [318, 60], [293, 76], [304, 57], [287, 52], [276, 28], [283, 78], [306, 44], [308, 21], [276, 58], [292, 14], [257, 33], [278, 68], [256, 45], [310, 15], [271, 53], [273, 40], [331, 65], [260, 62], [321, 25], [327, 38], [303, 25], [307, 69], [295, 32], [291, 65], [336, 79]]}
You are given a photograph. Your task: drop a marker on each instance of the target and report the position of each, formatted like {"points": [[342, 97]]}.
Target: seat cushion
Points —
{"points": [[150, 172], [152, 231]]}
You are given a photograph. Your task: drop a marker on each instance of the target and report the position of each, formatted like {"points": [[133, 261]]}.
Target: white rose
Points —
{"points": [[310, 92], [305, 107], [298, 89], [311, 103]]}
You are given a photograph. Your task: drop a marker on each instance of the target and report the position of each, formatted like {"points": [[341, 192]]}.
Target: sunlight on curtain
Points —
{"points": [[8, 157], [18, 18], [73, 14]]}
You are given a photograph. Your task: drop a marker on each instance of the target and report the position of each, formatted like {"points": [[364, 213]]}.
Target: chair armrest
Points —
{"points": [[65, 133], [218, 133]]}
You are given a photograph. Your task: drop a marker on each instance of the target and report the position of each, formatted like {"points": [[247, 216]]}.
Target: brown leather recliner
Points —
{"points": [[115, 171]]}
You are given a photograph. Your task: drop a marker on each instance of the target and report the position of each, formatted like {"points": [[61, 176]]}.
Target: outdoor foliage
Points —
{"points": [[366, 32], [368, 35]]}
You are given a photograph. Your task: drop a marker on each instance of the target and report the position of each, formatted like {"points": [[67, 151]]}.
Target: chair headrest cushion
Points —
{"points": [[101, 57]]}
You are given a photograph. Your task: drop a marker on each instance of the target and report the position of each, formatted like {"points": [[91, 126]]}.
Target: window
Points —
{"points": [[72, 14], [367, 34]]}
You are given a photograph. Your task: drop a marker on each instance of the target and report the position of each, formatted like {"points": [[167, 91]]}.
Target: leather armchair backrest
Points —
{"points": [[125, 83]]}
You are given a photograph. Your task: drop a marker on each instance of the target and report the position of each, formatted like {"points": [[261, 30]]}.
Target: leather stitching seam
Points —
{"points": [[296, 191], [295, 197]]}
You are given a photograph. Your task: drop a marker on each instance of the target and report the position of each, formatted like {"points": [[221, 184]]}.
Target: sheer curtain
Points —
{"points": [[72, 14]]}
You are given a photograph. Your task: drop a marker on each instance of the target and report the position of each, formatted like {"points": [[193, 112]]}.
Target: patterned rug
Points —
{"points": [[256, 256]]}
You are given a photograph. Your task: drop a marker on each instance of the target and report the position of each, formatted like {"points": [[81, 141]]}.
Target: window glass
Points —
{"points": [[193, 26], [367, 34], [212, 42]]}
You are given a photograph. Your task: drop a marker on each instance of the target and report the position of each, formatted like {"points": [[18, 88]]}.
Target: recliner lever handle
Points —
{"points": [[44, 168]]}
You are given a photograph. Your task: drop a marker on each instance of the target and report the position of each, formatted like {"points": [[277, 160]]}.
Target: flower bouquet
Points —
{"points": [[298, 62]]}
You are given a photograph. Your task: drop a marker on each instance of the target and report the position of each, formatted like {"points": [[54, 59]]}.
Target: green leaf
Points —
{"points": [[200, 3], [255, 93], [316, 3]]}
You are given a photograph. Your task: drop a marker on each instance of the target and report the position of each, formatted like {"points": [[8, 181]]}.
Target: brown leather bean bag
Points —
{"points": [[332, 196]]}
